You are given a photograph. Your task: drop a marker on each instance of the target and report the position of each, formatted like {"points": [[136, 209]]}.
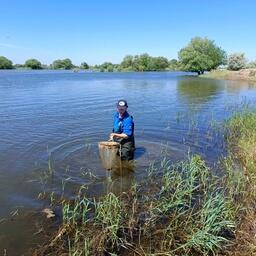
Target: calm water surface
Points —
{"points": [[59, 117]]}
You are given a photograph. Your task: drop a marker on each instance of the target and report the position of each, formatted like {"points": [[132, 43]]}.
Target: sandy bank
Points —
{"points": [[243, 74]]}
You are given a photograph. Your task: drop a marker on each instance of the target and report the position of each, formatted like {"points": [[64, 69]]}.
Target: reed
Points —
{"points": [[108, 215], [241, 138]]}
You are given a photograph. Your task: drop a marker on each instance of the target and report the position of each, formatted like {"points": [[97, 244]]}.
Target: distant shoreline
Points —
{"points": [[95, 70]]}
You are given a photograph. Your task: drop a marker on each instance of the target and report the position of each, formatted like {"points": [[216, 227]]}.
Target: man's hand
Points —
{"points": [[117, 135], [111, 136]]}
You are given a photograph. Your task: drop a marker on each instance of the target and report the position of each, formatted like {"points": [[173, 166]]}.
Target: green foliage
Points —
{"points": [[251, 64], [158, 63], [18, 66], [241, 138], [174, 64], [77, 212], [108, 215], [197, 211], [200, 55], [106, 67], [241, 135], [127, 62], [84, 65], [33, 64], [5, 63], [62, 64], [144, 62], [215, 217], [236, 61]]}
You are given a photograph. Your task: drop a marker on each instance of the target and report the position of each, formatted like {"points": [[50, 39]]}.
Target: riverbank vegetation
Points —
{"points": [[237, 68], [179, 209], [243, 74], [241, 138]]}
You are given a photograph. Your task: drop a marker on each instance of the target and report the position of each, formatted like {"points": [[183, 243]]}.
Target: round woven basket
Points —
{"points": [[109, 153]]}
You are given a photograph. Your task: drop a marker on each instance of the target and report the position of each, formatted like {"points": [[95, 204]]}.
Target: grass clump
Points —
{"points": [[241, 137], [108, 214]]}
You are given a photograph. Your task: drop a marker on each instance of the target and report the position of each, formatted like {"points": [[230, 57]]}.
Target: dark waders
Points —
{"points": [[127, 147]]}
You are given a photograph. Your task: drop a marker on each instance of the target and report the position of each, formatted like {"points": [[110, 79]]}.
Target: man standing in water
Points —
{"points": [[123, 130]]}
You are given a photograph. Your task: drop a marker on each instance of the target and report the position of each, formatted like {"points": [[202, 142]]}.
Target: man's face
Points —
{"points": [[121, 110]]}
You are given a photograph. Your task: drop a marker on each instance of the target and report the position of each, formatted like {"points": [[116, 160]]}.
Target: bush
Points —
{"points": [[33, 64], [84, 65], [5, 63], [173, 64], [62, 64], [236, 61]]}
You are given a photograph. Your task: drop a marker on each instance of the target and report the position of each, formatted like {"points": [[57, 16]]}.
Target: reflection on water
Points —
{"points": [[123, 168], [51, 123], [196, 90], [121, 177]]}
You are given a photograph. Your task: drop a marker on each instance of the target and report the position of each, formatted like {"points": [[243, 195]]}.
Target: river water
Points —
{"points": [[51, 122]]}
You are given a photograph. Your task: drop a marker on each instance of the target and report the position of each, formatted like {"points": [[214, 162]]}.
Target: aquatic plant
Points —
{"points": [[241, 137], [108, 215]]}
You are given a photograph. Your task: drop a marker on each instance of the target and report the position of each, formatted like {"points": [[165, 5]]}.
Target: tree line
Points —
{"points": [[200, 55]]}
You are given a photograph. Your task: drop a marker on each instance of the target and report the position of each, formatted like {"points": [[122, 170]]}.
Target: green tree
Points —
{"points": [[57, 64], [236, 61], [201, 54], [106, 67], [173, 64], [84, 65], [33, 64], [158, 63], [62, 64], [142, 62], [127, 62], [110, 68], [5, 63], [67, 63]]}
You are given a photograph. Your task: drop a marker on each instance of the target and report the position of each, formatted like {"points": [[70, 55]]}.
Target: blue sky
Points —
{"points": [[97, 31]]}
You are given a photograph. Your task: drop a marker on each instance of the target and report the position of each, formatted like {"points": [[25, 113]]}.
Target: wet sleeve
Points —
{"points": [[128, 127], [116, 124]]}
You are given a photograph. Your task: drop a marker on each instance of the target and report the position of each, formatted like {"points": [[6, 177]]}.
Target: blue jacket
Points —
{"points": [[123, 125]]}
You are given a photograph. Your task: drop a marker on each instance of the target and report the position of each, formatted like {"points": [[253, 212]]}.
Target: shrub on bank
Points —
{"points": [[5, 63], [236, 61]]}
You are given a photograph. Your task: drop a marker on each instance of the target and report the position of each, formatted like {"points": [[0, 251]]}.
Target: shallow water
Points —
{"points": [[57, 118]]}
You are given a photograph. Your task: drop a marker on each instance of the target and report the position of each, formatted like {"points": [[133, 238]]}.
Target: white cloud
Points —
{"points": [[10, 46]]}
